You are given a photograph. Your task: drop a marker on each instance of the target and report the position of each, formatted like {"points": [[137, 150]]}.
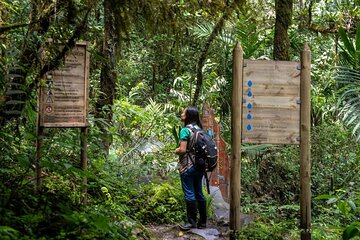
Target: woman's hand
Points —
{"points": [[182, 148]]}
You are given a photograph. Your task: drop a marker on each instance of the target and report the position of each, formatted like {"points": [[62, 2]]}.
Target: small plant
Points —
{"points": [[346, 203]]}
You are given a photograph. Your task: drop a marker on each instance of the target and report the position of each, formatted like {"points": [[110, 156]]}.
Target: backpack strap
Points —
{"points": [[193, 134], [190, 143], [207, 181], [193, 127]]}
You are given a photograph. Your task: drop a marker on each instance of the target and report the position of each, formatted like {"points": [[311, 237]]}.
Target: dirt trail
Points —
{"points": [[217, 228], [170, 232]]}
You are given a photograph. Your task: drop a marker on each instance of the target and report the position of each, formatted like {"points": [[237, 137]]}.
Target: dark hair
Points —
{"points": [[192, 116]]}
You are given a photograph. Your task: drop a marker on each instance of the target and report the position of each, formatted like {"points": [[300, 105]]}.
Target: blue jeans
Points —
{"points": [[191, 182]]}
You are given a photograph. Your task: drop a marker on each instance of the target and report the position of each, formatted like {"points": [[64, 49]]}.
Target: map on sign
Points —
{"points": [[63, 99], [271, 102]]}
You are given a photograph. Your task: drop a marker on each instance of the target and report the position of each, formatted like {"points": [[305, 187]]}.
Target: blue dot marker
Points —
{"points": [[250, 83], [249, 94], [249, 106], [248, 127], [249, 116]]}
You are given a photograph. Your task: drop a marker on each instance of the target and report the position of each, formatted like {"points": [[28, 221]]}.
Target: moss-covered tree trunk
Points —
{"points": [[283, 10], [108, 74], [3, 40]]}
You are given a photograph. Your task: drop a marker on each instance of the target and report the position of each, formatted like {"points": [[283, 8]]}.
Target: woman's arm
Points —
{"points": [[181, 150]]}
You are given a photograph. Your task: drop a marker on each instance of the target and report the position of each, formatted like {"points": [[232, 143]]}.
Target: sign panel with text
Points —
{"points": [[64, 96], [271, 102]]}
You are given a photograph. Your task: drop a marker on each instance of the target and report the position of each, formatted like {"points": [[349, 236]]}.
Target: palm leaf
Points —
{"points": [[350, 54], [357, 42], [203, 30], [347, 44], [349, 101]]}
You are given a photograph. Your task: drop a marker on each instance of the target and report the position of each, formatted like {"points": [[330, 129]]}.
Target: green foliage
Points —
{"points": [[7, 233], [350, 54], [348, 77], [352, 231], [269, 173], [272, 221], [345, 204], [334, 158], [156, 80], [144, 137], [159, 203], [349, 99]]}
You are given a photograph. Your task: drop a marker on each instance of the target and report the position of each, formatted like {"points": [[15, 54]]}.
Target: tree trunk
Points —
{"points": [[283, 10], [108, 74], [3, 40]]}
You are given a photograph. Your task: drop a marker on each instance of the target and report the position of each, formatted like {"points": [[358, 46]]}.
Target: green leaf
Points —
{"points": [[352, 205], [357, 39], [14, 102], [13, 92], [343, 207], [176, 135], [348, 46], [13, 112], [332, 200], [323, 197], [351, 231], [101, 223], [13, 75], [13, 84]]}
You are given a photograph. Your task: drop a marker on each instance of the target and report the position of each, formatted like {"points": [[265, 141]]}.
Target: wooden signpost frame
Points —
{"points": [[78, 98], [304, 142]]}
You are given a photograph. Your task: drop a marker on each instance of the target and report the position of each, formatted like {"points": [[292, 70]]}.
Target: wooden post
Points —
{"points": [[305, 192], [39, 144], [84, 163], [235, 166]]}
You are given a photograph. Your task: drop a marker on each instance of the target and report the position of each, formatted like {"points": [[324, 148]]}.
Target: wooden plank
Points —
{"points": [[272, 72], [64, 98], [270, 114], [275, 136], [274, 102], [264, 89], [271, 97]]}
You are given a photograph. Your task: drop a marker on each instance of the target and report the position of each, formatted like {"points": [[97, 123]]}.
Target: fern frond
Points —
{"points": [[349, 101]]}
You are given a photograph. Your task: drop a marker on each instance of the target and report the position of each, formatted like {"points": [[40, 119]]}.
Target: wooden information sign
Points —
{"points": [[271, 102], [64, 97], [266, 108]]}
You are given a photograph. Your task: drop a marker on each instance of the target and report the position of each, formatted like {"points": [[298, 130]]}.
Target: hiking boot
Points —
{"points": [[191, 212], [203, 214]]}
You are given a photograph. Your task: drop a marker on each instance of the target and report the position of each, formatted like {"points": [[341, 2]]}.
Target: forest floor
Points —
{"points": [[217, 228], [169, 232]]}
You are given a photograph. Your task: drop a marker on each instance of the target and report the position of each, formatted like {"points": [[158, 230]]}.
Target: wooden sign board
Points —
{"points": [[64, 97], [271, 102]]}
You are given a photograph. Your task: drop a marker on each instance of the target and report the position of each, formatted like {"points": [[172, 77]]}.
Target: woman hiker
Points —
{"points": [[191, 178]]}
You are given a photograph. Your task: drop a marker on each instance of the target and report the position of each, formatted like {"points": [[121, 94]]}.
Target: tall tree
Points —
{"points": [[120, 19], [283, 9], [108, 73]]}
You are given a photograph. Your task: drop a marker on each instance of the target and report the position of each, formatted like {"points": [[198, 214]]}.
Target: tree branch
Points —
{"points": [[6, 28], [79, 30], [200, 64]]}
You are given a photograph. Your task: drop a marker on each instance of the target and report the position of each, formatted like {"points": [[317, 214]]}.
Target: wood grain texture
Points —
{"points": [[64, 95], [271, 102]]}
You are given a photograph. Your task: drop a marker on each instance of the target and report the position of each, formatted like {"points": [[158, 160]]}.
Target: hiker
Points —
{"points": [[191, 178]]}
